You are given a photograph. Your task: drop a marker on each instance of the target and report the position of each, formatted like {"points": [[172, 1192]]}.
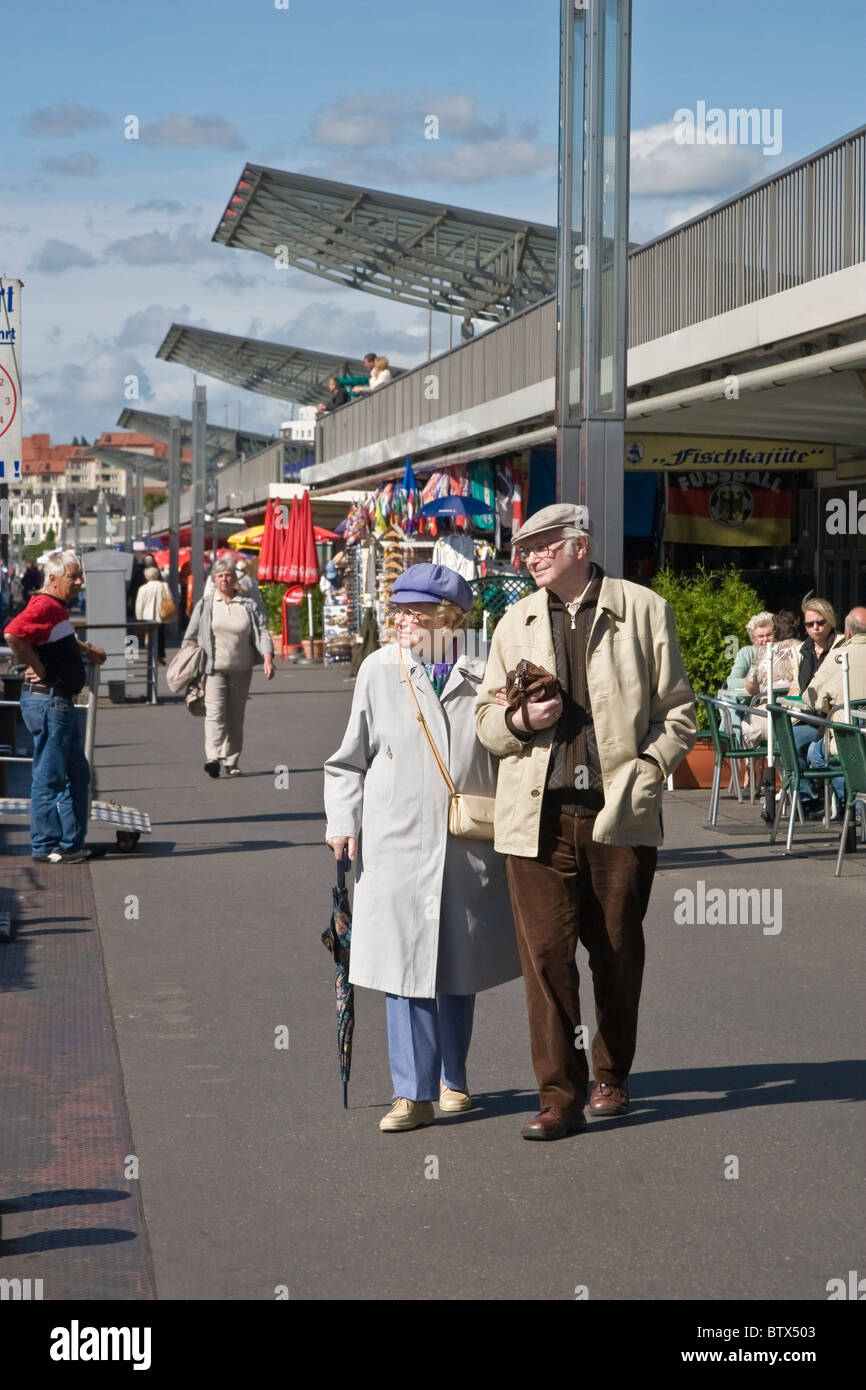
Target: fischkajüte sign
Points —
{"points": [[678, 453], [10, 379], [722, 508]]}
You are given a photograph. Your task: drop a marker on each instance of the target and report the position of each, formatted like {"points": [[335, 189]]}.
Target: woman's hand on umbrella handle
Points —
{"points": [[340, 843]]}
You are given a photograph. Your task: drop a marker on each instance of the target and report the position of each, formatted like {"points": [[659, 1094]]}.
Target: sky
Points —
{"points": [[112, 236]]}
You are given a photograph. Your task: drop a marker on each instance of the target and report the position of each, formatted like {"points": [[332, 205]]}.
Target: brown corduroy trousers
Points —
{"points": [[576, 890]]}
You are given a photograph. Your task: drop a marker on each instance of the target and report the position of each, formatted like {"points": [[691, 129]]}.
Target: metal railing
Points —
{"points": [[805, 222]]}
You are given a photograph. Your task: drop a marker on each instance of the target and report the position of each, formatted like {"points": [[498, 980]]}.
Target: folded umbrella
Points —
{"points": [[337, 937]]}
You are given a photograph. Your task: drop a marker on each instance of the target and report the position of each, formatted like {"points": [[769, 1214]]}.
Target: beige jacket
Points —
{"points": [[641, 704], [826, 688]]}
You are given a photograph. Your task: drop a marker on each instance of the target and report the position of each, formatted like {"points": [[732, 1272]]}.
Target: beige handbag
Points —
{"points": [[469, 817]]}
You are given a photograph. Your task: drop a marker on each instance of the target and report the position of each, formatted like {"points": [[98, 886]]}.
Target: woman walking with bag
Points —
{"points": [[154, 604], [432, 920], [230, 629]]}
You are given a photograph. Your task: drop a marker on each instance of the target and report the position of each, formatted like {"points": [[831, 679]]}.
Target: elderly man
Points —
{"points": [[578, 802], [824, 695], [43, 638]]}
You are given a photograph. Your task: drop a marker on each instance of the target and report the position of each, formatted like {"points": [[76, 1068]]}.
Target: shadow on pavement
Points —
{"points": [[62, 1197], [65, 1240]]}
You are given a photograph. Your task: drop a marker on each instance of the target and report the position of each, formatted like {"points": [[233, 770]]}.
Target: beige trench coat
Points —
{"points": [[431, 913], [641, 704]]}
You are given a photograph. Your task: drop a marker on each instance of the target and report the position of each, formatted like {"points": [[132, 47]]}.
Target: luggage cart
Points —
{"points": [[130, 822]]}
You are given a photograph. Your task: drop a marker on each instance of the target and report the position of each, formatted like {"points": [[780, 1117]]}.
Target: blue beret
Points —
{"points": [[432, 584]]}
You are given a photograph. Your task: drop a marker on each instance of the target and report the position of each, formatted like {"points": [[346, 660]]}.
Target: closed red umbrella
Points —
{"points": [[285, 546], [269, 537], [308, 561]]}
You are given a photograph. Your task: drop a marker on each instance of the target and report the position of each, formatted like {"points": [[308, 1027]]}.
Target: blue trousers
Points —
{"points": [[428, 1040], [804, 735], [816, 757], [61, 776]]}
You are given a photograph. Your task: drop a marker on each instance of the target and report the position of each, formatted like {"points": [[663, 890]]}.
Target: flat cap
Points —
{"points": [[432, 584], [559, 514]]}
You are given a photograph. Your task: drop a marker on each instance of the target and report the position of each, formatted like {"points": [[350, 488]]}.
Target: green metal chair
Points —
{"points": [[724, 745], [851, 752], [792, 774]]}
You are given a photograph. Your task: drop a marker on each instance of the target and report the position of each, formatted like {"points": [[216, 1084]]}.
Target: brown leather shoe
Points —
{"points": [[551, 1123], [608, 1101]]}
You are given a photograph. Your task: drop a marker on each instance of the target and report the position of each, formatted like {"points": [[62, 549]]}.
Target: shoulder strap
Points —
{"points": [[440, 763]]}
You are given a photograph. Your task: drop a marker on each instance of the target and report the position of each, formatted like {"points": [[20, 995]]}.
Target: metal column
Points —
{"points": [[174, 506], [129, 504], [592, 265], [139, 501], [199, 465]]}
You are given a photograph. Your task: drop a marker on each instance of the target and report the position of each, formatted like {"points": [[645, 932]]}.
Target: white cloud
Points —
{"points": [[64, 118], [329, 328], [233, 281], [166, 205], [73, 166], [147, 327], [183, 247], [660, 166], [56, 256], [194, 132]]}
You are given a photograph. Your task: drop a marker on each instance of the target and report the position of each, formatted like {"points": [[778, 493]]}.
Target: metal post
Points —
{"points": [[592, 265], [173, 506], [76, 531], [429, 334], [139, 501], [199, 465], [129, 504], [216, 513], [100, 524]]}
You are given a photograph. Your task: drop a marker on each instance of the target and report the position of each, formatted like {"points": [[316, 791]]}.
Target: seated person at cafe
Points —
{"points": [[786, 645], [819, 620], [759, 631], [825, 695]]}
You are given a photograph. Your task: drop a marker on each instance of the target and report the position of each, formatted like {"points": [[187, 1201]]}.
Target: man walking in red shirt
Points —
{"points": [[42, 636]]}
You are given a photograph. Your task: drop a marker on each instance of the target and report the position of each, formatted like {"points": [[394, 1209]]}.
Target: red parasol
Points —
{"points": [[269, 537], [284, 547], [308, 563]]}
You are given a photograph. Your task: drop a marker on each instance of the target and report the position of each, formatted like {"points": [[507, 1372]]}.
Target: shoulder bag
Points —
{"points": [[167, 607], [469, 817]]}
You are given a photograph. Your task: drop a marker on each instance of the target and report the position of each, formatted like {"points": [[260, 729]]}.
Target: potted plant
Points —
{"points": [[711, 609]]}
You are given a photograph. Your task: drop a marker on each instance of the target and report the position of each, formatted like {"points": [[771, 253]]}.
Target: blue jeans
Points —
{"points": [[428, 1040], [61, 776], [816, 757], [804, 736]]}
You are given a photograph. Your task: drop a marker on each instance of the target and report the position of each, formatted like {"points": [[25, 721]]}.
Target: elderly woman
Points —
{"points": [[786, 645], [819, 620], [432, 920], [759, 631], [231, 629], [148, 605]]}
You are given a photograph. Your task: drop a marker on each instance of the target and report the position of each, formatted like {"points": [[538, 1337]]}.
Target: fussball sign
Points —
{"points": [[10, 379]]}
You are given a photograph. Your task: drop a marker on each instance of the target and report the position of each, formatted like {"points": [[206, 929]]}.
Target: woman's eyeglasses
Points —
{"points": [[818, 622], [394, 614]]}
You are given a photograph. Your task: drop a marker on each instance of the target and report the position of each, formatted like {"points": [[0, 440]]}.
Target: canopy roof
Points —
{"points": [[473, 264], [272, 369], [223, 445], [129, 461]]}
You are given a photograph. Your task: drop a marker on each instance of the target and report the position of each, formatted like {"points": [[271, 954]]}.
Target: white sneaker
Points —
{"points": [[407, 1114], [453, 1101]]}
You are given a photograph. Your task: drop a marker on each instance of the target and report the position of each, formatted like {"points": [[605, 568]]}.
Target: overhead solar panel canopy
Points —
{"points": [[223, 445], [472, 264], [129, 462], [271, 369]]}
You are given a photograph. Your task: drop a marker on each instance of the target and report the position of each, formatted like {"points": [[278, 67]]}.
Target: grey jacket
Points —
{"points": [[200, 630]]}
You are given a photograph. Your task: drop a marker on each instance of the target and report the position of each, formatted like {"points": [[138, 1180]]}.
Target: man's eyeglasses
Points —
{"points": [[818, 622], [542, 551]]}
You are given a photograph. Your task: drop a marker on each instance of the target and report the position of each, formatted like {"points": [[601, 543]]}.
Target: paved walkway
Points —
{"points": [[251, 1174]]}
